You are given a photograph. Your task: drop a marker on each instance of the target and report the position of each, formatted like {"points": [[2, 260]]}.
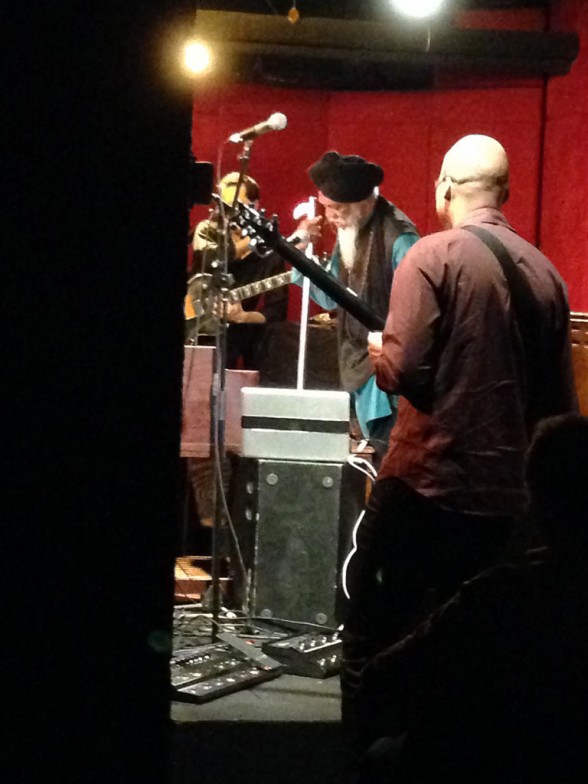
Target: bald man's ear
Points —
{"points": [[505, 194]]}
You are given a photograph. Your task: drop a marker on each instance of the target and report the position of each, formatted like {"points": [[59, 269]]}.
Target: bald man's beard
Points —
{"points": [[347, 239]]}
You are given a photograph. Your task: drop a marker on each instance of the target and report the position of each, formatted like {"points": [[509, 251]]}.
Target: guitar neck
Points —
{"points": [[346, 298], [256, 225], [259, 287]]}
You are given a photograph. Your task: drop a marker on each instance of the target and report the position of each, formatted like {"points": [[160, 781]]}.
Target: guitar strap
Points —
{"points": [[527, 315]]}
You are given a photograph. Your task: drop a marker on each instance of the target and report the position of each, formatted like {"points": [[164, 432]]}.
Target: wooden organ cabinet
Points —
{"points": [[198, 376], [192, 573], [580, 357]]}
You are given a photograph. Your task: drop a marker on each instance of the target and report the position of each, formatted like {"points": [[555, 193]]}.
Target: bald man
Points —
{"points": [[462, 347]]}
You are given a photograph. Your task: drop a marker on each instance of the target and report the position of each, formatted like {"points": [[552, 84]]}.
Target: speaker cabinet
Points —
{"points": [[293, 521]]}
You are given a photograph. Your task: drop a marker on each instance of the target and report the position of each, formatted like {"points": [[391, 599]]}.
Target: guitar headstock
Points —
{"points": [[264, 232]]}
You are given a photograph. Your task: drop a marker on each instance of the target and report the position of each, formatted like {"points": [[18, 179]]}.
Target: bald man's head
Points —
{"points": [[474, 173], [478, 159]]}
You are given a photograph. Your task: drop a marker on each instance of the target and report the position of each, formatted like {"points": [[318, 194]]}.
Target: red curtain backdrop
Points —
{"points": [[408, 133], [564, 214]]}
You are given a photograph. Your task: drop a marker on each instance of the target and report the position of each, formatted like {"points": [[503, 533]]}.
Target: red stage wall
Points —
{"points": [[408, 133], [564, 214]]}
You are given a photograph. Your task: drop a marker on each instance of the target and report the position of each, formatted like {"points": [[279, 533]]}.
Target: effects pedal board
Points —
{"points": [[312, 655], [209, 671]]}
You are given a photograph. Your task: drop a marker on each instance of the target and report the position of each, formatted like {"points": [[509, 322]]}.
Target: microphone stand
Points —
{"points": [[221, 282]]}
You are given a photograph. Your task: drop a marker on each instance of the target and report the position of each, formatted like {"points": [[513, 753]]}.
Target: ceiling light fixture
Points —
{"points": [[197, 57], [293, 14], [418, 9]]}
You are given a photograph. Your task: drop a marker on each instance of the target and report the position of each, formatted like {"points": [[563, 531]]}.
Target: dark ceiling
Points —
{"points": [[362, 44], [351, 9]]}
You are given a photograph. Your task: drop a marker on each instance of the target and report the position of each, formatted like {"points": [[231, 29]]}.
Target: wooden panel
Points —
{"points": [[197, 386], [580, 357], [192, 578]]}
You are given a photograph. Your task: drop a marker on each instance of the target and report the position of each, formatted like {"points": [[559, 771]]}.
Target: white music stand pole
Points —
{"points": [[306, 210]]}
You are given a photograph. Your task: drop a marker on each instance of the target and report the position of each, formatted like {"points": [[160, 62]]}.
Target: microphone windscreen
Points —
{"points": [[277, 121]]}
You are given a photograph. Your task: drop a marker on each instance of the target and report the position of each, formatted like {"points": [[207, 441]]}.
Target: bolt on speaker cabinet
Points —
{"points": [[293, 520]]}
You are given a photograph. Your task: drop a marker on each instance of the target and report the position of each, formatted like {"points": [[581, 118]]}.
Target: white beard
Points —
{"points": [[347, 238]]}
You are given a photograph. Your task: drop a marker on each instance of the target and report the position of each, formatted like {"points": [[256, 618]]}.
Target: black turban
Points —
{"points": [[345, 178]]}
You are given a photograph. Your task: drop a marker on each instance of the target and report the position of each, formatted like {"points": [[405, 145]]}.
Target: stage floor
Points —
{"points": [[283, 731], [287, 698]]}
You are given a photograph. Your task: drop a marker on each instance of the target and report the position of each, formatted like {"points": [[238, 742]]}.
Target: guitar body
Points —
{"points": [[201, 297], [199, 303]]}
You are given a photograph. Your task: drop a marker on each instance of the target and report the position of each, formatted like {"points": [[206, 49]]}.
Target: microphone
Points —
{"points": [[275, 122]]}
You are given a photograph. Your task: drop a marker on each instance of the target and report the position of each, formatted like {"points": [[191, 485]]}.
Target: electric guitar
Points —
{"points": [[266, 235], [200, 299]]}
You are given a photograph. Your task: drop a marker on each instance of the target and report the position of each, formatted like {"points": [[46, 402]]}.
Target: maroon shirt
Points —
{"points": [[450, 352]]}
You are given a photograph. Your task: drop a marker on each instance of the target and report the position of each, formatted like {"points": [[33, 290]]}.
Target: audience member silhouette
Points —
{"points": [[493, 687]]}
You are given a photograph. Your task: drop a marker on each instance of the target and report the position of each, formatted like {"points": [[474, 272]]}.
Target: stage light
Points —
{"points": [[197, 57], [418, 9]]}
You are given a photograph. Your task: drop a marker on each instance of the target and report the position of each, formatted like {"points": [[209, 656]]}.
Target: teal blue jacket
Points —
{"points": [[370, 402]]}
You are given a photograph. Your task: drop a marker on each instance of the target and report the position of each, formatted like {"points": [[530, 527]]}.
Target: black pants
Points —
{"points": [[411, 556], [380, 437], [378, 764]]}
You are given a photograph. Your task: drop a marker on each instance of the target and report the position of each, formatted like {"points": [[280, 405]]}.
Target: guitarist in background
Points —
{"points": [[247, 319], [247, 322], [372, 237]]}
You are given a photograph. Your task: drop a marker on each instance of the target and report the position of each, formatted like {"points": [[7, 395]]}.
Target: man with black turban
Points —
{"points": [[372, 237]]}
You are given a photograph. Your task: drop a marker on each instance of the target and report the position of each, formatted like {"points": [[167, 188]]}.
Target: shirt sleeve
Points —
{"points": [[407, 364], [401, 247], [565, 392], [316, 294]]}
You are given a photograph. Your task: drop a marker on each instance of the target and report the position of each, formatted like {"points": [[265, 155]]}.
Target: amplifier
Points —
{"points": [[312, 655], [295, 424], [293, 521]]}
